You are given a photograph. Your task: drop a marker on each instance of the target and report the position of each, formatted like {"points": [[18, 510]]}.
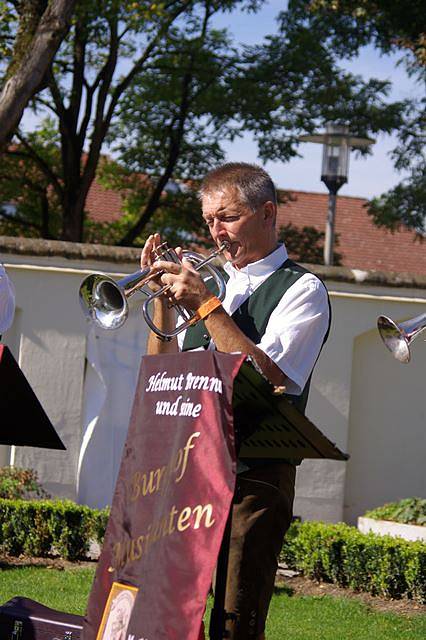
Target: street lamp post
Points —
{"points": [[336, 141]]}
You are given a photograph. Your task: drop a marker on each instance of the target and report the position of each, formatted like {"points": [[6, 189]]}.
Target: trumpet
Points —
{"points": [[105, 301], [398, 337]]}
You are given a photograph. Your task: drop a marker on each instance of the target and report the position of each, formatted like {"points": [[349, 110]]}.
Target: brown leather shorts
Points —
{"points": [[261, 515]]}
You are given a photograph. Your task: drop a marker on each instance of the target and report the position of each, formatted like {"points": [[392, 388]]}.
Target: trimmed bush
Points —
{"points": [[16, 483], [45, 527], [407, 511], [338, 553]]}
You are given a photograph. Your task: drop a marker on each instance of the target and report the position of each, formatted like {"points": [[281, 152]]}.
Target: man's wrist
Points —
{"points": [[207, 307]]}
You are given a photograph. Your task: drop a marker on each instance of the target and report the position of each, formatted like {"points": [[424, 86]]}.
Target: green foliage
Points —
{"points": [[405, 204], [301, 85], [16, 483], [391, 26], [202, 90], [49, 527], [8, 18], [406, 511], [171, 126], [345, 26], [165, 89], [112, 49], [385, 566], [287, 552], [178, 110], [27, 181]]}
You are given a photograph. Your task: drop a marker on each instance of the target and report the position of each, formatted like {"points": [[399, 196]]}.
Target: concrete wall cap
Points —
{"points": [[79, 251], [369, 277], [70, 250]]}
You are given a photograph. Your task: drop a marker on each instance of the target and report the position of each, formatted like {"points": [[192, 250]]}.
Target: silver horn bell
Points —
{"points": [[398, 337], [104, 301]]}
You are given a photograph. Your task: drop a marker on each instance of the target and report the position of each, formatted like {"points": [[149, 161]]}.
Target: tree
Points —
{"points": [[390, 26], [171, 125], [31, 206], [203, 91], [109, 45], [406, 203], [393, 27], [299, 74], [179, 97], [41, 26]]}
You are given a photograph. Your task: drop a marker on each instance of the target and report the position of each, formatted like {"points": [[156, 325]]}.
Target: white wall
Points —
{"points": [[387, 424], [48, 338], [372, 406]]}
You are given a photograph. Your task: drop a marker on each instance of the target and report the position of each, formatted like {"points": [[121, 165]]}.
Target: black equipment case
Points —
{"points": [[25, 619]]}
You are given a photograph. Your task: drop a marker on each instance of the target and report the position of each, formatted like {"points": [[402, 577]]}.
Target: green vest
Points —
{"points": [[253, 315]]}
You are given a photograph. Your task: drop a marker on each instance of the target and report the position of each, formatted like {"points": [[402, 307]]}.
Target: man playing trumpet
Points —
{"points": [[278, 313]]}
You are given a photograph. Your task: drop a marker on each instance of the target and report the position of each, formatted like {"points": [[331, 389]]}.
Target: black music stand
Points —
{"points": [[281, 432], [23, 419]]}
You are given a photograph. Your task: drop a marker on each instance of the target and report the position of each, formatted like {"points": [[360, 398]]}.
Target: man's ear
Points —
{"points": [[269, 211]]}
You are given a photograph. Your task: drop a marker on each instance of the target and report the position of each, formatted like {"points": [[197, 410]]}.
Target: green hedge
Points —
{"points": [[380, 565], [45, 527], [406, 511]]}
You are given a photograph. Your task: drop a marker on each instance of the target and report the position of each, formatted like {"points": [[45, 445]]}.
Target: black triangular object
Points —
{"points": [[23, 421]]}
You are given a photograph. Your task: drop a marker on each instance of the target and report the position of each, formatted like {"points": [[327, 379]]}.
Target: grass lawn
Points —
{"points": [[65, 590], [331, 618], [291, 617]]}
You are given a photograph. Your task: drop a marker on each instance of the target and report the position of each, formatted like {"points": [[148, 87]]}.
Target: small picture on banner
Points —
{"points": [[118, 610]]}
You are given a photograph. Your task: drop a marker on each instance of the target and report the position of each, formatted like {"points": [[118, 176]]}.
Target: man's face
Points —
{"points": [[229, 219]]}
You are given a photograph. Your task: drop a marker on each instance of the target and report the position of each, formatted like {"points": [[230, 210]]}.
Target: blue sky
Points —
{"points": [[367, 177]]}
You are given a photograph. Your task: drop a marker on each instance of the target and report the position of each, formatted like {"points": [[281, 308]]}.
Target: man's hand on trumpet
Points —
{"points": [[148, 257], [185, 285], [163, 317]]}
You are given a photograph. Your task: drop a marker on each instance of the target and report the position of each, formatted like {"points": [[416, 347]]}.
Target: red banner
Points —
{"points": [[171, 501]]}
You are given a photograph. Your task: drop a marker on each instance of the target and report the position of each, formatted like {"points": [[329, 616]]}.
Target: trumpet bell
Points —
{"points": [[103, 302], [394, 339], [398, 337]]}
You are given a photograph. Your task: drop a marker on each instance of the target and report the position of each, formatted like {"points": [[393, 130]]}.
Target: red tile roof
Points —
{"points": [[361, 244], [103, 205]]}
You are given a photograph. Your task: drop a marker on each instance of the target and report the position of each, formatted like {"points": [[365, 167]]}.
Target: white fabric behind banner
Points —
{"points": [[112, 366], [7, 300]]}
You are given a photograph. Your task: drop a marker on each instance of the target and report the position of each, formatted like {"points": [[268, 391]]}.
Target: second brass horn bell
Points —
{"points": [[398, 337], [104, 301]]}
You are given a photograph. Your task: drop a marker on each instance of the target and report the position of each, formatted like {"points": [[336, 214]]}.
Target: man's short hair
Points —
{"points": [[252, 182]]}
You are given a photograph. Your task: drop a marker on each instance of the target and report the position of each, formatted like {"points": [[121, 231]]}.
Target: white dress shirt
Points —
{"points": [[296, 327], [7, 301]]}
